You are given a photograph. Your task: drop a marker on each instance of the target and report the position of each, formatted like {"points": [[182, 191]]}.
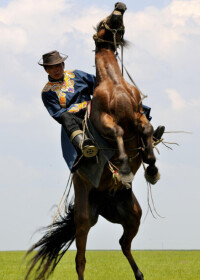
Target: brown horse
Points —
{"points": [[117, 114], [116, 105]]}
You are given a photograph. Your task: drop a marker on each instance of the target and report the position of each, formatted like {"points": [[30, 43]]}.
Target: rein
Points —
{"points": [[143, 96]]}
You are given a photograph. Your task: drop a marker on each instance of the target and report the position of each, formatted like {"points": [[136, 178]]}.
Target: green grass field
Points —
{"points": [[108, 265]]}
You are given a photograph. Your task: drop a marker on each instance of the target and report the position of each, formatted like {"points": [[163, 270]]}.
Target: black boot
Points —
{"points": [[158, 133], [86, 146]]}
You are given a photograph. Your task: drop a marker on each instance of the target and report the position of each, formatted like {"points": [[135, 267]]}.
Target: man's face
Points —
{"points": [[55, 71]]}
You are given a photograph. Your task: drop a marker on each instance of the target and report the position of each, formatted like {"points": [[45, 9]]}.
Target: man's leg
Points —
{"points": [[73, 125]]}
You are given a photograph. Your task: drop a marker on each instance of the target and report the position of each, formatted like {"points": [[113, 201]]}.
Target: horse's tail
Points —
{"points": [[52, 246]]}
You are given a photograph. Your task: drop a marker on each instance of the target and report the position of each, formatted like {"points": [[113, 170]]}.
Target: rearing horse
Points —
{"points": [[116, 105], [117, 114]]}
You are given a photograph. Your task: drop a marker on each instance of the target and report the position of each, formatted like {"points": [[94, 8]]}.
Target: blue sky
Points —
{"points": [[134, 5], [163, 59]]}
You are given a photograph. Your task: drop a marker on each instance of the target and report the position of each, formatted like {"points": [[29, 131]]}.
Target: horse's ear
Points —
{"points": [[98, 25], [116, 4]]}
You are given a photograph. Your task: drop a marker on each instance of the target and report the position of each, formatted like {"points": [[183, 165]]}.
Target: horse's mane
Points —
{"points": [[97, 26]]}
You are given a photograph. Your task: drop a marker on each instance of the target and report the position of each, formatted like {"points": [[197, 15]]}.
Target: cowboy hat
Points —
{"points": [[52, 58]]}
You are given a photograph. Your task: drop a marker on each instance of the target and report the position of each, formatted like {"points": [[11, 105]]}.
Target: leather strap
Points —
{"points": [[75, 133]]}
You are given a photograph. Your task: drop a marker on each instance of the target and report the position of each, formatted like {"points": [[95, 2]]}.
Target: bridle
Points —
{"points": [[114, 31]]}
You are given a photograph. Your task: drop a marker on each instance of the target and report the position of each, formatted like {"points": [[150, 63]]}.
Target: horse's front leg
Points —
{"points": [[146, 132], [109, 128], [82, 222]]}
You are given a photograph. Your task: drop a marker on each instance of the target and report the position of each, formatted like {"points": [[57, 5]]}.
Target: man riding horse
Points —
{"points": [[66, 96], [117, 114]]}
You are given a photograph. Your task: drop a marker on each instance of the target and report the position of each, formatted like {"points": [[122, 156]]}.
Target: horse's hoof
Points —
{"points": [[152, 175], [127, 178], [139, 276]]}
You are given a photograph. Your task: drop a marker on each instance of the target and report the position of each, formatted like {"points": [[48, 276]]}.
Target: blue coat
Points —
{"points": [[70, 95]]}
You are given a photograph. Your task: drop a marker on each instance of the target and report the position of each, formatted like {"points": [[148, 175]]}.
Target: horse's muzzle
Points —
{"points": [[116, 16]]}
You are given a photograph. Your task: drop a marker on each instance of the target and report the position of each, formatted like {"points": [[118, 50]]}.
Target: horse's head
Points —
{"points": [[110, 31]]}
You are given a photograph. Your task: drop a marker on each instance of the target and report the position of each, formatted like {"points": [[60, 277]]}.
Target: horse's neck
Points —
{"points": [[107, 67]]}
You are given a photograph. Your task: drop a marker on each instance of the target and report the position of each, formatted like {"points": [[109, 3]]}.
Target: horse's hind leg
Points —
{"points": [[125, 243], [82, 223], [123, 208], [130, 221]]}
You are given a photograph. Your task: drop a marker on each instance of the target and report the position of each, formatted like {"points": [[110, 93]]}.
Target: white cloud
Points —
{"points": [[14, 112], [178, 103], [163, 32], [28, 13], [40, 24], [185, 9], [157, 30], [13, 39], [182, 107], [178, 114], [46, 25]]}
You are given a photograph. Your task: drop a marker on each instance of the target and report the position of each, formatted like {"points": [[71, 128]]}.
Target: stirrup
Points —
{"points": [[89, 151]]}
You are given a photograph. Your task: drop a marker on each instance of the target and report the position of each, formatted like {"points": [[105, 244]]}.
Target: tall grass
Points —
{"points": [[110, 265]]}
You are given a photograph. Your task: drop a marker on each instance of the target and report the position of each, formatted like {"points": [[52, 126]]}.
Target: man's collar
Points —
{"points": [[56, 81]]}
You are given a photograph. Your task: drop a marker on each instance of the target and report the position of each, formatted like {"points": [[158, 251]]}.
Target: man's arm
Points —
{"points": [[52, 104]]}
